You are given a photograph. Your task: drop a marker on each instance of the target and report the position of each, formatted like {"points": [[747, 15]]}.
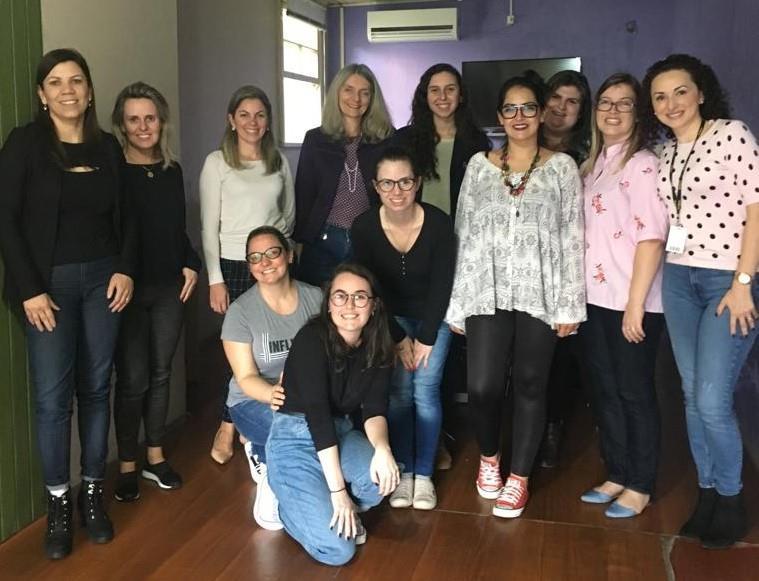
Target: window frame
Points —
{"points": [[321, 57]]}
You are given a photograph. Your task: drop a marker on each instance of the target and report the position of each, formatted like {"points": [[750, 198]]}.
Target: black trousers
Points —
{"points": [[622, 376], [516, 341], [150, 330]]}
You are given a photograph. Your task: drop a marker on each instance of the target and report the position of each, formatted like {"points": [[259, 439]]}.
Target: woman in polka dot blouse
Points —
{"points": [[709, 179]]}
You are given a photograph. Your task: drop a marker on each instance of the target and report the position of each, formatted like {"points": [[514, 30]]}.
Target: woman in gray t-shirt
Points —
{"points": [[257, 332]]}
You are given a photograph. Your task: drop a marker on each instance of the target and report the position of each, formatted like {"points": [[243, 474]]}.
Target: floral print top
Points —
{"points": [[522, 252], [622, 208]]}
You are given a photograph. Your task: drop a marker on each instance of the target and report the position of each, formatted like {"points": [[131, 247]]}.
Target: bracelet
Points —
{"points": [[336, 491]]}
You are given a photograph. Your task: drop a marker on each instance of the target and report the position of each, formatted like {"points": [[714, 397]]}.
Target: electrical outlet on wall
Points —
{"points": [[510, 19]]}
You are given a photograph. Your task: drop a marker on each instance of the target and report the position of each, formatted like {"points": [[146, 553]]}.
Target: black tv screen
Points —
{"points": [[483, 79]]}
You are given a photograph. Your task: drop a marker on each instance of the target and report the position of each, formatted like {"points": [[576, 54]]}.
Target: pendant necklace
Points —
{"points": [[518, 188], [351, 173]]}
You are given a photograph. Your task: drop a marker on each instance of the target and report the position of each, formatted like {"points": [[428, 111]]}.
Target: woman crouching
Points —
{"points": [[321, 469]]}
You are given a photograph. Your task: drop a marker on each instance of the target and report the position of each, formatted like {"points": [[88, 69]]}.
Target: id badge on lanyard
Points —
{"points": [[676, 239]]}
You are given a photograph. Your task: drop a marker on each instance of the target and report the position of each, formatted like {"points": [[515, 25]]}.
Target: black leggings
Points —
{"points": [[496, 343]]}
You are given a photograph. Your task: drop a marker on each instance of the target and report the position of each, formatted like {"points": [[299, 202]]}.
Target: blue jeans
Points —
{"points": [[252, 419], [320, 257], [296, 477], [709, 360], [414, 412], [76, 357]]}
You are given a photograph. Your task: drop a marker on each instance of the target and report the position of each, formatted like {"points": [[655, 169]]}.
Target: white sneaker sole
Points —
{"points": [[425, 504], [401, 503], [507, 513], [152, 477], [489, 494]]}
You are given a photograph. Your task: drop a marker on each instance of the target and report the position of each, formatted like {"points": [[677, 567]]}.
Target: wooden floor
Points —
{"points": [[206, 531]]}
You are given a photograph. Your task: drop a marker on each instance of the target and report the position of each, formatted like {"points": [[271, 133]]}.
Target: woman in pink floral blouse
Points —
{"points": [[625, 229]]}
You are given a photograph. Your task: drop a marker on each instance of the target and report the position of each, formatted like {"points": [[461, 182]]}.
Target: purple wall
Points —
{"points": [[722, 33], [718, 31]]}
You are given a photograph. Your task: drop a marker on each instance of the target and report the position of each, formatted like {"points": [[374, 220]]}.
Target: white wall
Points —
{"points": [[222, 45], [123, 42]]}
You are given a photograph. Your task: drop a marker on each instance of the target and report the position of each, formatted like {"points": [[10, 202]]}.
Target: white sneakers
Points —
{"points": [[266, 507], [257, 468], [416, 491]]}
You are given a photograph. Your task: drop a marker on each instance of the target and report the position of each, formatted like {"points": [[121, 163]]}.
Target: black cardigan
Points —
{"points": [[319, 168], [463, 150], [30, 190]]}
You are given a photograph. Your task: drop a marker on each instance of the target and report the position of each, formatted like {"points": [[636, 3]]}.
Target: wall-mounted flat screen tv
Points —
{"points": [[484, 78]]}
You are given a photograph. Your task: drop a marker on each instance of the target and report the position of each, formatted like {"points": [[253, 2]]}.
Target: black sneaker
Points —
{"points": [[91, 508], [127, 487], [60, 530], [163, 475]]}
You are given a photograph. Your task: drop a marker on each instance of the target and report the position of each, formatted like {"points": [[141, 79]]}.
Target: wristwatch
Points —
{"points": [[743, 277]]}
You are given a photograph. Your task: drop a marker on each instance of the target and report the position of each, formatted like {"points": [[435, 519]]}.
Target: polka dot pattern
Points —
{"points": [[722, 180]]}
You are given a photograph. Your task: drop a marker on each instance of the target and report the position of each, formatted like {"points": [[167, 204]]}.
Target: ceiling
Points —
{"points": [[365, 2]]}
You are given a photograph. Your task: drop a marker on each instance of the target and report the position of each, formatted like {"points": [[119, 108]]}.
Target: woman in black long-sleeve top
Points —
{"points": [[68, 244], [166, 276], [339, 363], [410, 248], [333, 182], [442, 137]]}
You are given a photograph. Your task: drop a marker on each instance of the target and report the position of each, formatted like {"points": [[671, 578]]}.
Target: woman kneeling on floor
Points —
{"points": [[322, 470], [258, 330]]}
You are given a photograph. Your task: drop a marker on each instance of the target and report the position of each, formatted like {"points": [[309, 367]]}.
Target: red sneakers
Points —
{"points": [[489, 480], [512, 499]]}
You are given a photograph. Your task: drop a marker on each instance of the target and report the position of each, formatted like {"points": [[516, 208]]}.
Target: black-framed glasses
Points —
{"points": [[509, 110], [340, 299], [387, 186], [270, 253], [622, 106]]}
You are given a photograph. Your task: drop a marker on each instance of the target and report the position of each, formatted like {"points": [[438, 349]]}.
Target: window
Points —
{"points": [[302, 76]]}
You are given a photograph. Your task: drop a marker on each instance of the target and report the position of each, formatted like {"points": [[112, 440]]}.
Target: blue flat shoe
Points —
{"points": [[616, 510], [593, 496]]}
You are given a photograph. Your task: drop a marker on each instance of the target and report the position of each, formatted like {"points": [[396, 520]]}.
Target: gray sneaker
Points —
{"points": [[424, 493], [403, 495]]}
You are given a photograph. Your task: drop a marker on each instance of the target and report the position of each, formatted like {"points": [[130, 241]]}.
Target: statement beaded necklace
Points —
{"points": [[516, 189]]}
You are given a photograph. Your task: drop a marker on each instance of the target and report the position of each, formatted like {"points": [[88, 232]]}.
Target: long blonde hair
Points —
{"points": [[375, 124]]}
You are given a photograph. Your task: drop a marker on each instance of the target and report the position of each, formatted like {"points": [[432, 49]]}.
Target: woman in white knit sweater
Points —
{"points": [[243, 185]]}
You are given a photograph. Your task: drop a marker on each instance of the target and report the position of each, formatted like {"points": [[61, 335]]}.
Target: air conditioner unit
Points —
{"points": [[412, 25]]}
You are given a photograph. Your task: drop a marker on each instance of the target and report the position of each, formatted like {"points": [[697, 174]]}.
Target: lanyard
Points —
{"points": [[677, 194]]}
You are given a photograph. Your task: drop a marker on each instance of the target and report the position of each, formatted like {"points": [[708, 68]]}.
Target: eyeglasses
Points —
{"points": [[270, 253], [340, 298], [387, 186], [509, 111], [622, 106]]}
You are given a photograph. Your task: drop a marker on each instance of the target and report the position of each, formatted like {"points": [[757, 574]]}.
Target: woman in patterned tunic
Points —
{"points": [[519, 283]]}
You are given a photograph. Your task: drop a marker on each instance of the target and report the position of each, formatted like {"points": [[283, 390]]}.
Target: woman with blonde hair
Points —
{"points": [[166, 277], [243, 185], [334, 181]]}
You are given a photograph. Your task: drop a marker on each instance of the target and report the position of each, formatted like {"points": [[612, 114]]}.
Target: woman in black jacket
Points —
{"points": [[68, 250], [166, 277], [334, 180], [442, 135]]}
